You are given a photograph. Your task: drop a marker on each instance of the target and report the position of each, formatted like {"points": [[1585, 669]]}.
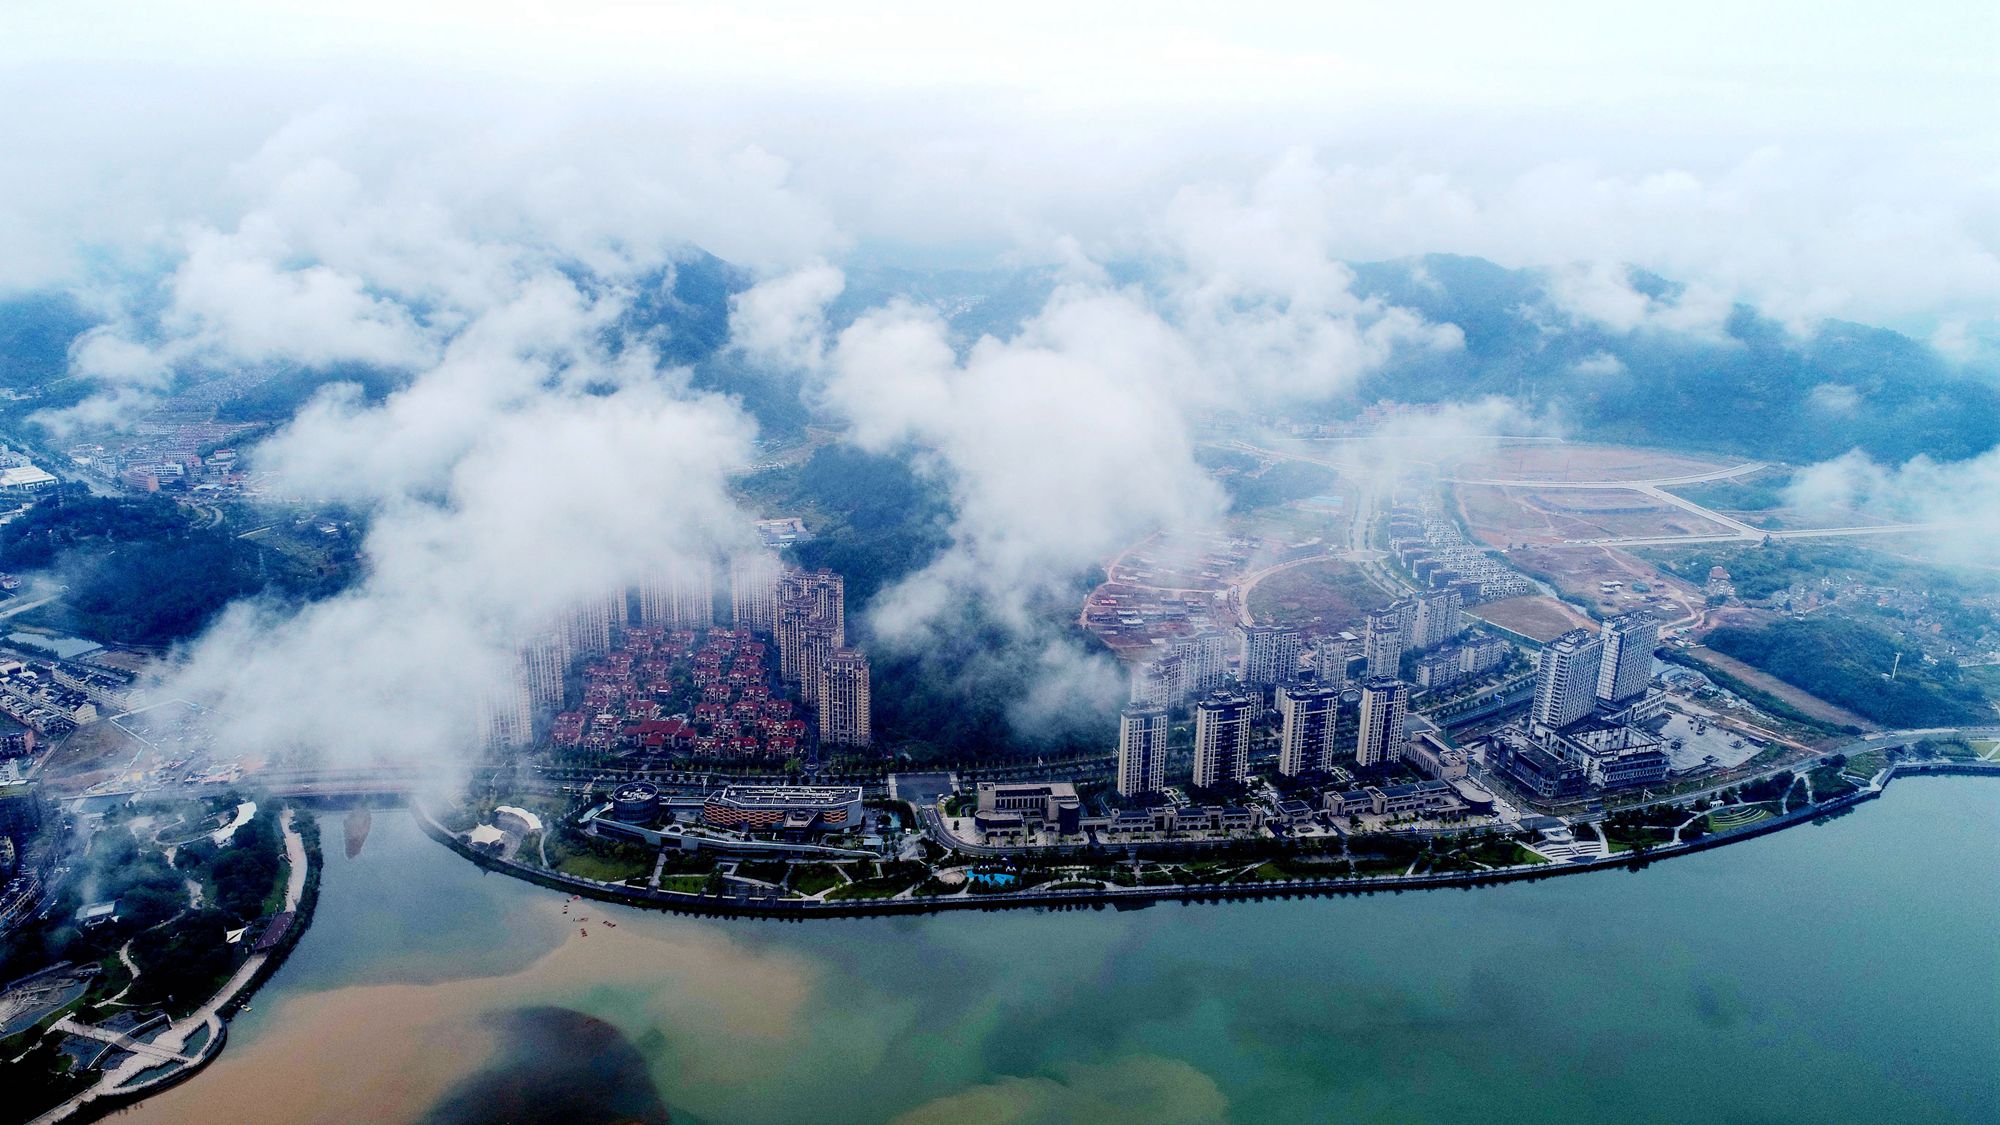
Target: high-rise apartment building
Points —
{"points": [[1626, 668], [753, 591], [1221, 739], [683, 598], [544, 664], [843, 698], [587, 629], [506, 714], [1309, 712], [1566, 678], [1270, 655], [826, 591], [1438, 617], [1406, 620], [1383, 644], [811, 621], [1142, 750], [1330, 657], [1163, 681], [1385, 703], [1209, 660], [815, 642]]}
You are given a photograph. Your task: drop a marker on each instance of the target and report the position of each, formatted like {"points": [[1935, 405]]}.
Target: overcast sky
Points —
{"points": [[1820, 158], [412, 187]]}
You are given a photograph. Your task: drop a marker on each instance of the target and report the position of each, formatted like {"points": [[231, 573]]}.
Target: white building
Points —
{"points": [[1221, 740], [1270, 655], [1566, 678], [683, 598], [587, 630], [1383, 644], [753, 591], [844, 702], [1626, 669], [1385, 704], [544, 663], [1310, 721], [1142, 751], [1438, 617]]}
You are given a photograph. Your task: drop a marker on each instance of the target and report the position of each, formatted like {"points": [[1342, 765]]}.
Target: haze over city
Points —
{"points": [[704, 464]]}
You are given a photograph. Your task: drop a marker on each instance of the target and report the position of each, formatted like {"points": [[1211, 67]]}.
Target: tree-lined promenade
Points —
{"points": [[1264, 880]]}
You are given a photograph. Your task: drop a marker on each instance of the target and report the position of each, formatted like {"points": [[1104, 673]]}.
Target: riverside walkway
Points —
{"points": [[136, 1076], [905, 903]]}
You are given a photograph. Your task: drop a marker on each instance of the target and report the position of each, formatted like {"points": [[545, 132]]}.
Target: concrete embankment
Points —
{"points": [[771, 907]]}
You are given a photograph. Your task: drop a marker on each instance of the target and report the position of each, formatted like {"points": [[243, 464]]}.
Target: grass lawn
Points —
{"points": [[1827, 782], [604, 869], [812, 878], [1868, 763], [1381, 865], [685, 884], [872, 888], [764, 871], [1736, 816]]}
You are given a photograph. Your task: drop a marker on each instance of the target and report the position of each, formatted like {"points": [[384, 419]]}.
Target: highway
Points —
{"points": [[1745, 469]]}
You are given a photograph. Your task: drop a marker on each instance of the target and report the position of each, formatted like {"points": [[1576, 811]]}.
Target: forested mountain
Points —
{"points": [[1756, 389], [1752, 388]]}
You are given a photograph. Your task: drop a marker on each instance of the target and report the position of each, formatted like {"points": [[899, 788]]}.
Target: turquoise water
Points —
{"points": [[1840, 972], [64, 647]]}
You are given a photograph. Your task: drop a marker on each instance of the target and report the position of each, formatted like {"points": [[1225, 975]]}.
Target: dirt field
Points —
{"points": [[1555, 461], [1580, 573], [1538, 616], [1327, 593], [1765, 682], [1505, 517], [93, 753]]}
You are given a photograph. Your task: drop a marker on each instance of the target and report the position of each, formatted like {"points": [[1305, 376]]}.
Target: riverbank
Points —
{"points": [[194, 1042], [746, 906]]}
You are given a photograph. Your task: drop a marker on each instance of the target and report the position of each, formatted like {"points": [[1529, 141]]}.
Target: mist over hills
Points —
{"points": [[1748, 385], [1741, 382], [1744, 383]]}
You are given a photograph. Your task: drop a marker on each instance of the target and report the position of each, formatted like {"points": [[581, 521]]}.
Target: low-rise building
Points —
{"points": [[1428, 753], [1039, 803], [784, 808], [1613, 755]]}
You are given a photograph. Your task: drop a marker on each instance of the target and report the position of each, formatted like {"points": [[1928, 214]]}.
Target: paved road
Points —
{"points": [[1744, 469], [149, 1051], [1752, 535], [173, 1042], [24, 607], [1653, 489]]}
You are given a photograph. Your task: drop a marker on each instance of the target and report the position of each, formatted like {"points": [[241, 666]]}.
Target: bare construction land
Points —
{"points": [[1510, 517], [1582, 574], [1537, 616], [1562, 461], [1771, 685], [1326, 592]]}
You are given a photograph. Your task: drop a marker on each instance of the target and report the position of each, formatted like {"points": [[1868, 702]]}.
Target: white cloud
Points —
{"points": [[1834, 398], [1601, 365], [1601, 294], [781, 322], [503, 493], [1962, 497], [1059, 444], [234, 302]]}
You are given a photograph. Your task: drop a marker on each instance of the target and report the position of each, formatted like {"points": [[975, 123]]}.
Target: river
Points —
{"points": [[1847, 971]]}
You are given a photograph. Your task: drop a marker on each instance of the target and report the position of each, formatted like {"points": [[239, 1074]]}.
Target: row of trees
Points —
{"points": [[1846, 662]]}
